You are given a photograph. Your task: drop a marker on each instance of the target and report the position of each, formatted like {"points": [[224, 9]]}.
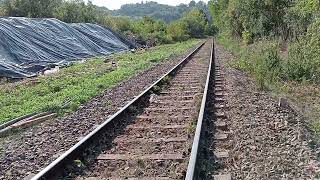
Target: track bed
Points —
{"points": [[157, 142]]}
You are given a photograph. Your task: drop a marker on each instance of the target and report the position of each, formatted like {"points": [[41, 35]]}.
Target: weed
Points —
{"points": [[193, 125], [141, 163], [166, 80], [108, 104], [156, 89], [261, 60], [78, 163], [100, 86], [198, 100]]}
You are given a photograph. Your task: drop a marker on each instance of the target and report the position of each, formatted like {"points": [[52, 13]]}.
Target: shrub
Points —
{"points": [[304, 57], [262, 60], [196, 21], [2, 11], [247, 37], [178, 31]]}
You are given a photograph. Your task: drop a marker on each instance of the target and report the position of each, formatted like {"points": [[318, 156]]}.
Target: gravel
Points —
{"points": [[265, 141], [134, 138], [31, 150]]}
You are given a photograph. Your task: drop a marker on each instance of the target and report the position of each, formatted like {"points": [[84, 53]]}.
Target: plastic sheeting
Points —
{"points": [[27, 46]]}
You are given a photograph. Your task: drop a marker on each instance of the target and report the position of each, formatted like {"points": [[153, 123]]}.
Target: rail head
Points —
{"points": [[195, 146], [50, 169]]}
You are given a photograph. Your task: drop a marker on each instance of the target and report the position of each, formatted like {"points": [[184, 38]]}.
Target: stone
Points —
{"points": [[222, 177]]}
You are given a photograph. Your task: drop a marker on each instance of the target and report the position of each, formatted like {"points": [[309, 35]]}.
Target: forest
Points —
{"points": [[159, 28], [162, 12], [276, 40]]}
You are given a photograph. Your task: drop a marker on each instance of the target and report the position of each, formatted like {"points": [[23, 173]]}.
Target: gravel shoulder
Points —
{"points": [[26, 153], [266, 141]]}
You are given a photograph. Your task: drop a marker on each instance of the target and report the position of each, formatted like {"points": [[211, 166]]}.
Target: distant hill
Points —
{"points": [[158, 11], [162, 12], [102, 9]]}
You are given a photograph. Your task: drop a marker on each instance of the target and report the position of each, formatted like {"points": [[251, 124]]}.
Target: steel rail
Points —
{"points": [[194, 152], [50, 171]]}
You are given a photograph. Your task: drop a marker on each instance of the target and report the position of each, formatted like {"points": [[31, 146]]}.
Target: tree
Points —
{"points": [[196, 21], [192, 4], [162, 12], [2, 10], [89, 12], [300, 16], [218, 10], [117, 23], [31, 8], [210, 29], [150, 30], [178, 30], [76, 11], [251, 18]]}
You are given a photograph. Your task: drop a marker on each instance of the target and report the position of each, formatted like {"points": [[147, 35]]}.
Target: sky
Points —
{"points": [[116, 4]]}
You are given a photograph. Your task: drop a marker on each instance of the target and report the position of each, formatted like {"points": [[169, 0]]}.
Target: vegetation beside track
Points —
{"points": [[265, 62], [75, 85], [277, 43]]}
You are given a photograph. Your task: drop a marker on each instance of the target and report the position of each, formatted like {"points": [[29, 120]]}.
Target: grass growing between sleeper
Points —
{"points": [[75, 85]]}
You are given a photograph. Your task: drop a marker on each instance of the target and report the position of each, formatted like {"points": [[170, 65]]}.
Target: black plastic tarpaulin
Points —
{"points": [[29, 45]]}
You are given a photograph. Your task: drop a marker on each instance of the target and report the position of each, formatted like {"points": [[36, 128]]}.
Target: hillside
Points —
{"points": [[159, 11], [79, 11]]}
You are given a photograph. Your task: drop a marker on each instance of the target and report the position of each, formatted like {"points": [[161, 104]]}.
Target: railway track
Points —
{"points": [[155, 136]]}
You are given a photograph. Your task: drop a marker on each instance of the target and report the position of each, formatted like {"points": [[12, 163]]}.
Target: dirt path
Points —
{"points": [[265, 141]]}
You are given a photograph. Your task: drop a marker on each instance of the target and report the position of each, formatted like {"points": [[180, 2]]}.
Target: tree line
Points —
{"points": [[291, 26], [73, 11], [193, 24], [287, 19], [162, 12]]}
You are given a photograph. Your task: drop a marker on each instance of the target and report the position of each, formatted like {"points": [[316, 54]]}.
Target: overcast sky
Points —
{"points": [[115, 4]]}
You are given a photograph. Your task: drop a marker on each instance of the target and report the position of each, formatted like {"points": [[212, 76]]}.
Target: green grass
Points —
{"points": [[262, 60], [79, 83]]}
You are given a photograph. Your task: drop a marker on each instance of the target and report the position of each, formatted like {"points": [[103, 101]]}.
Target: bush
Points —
{"points": [[2, 10], [117, 23], [304, 57], [196, 22], [264, 62], [261, 60], [295, 23], [247, 37], [178, 31]]}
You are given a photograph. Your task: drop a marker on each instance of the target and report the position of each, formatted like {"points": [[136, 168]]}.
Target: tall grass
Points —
{"points": [[263, 61]]}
